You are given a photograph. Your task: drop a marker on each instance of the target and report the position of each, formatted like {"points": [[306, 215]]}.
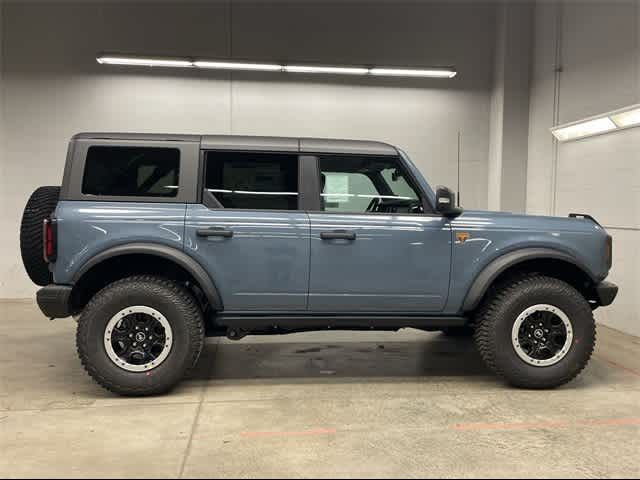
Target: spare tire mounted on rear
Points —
{"points": [[39, 206]]}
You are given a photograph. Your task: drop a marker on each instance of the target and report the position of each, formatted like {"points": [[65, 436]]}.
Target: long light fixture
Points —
{"points": [[319, 69], [143, 62], [265, 67], [409, 72], [620, 119], [126, 60]]}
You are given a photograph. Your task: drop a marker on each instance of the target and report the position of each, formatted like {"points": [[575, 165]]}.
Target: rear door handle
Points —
{"points": [[338, 235], [214, 232]]}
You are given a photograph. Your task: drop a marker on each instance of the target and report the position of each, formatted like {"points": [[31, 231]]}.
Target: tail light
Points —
{"points": [[609, 251], [49, 240]]}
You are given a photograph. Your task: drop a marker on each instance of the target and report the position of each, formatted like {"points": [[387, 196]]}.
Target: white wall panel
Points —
{"points": [[599, 52], [601, 176], [624, 314]]}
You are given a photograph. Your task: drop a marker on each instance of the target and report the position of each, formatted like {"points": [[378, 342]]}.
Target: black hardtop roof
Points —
{"points": [[246, 142]]}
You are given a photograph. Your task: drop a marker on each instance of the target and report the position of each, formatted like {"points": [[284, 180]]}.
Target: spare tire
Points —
{"points": [[40, 205]]}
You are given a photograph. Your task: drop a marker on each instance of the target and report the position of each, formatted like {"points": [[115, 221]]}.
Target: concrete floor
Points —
{"points": [[332, 404]]}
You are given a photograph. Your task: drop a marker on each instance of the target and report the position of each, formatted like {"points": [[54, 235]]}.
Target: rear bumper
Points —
{"points": [[606, 292], [54, 300]]}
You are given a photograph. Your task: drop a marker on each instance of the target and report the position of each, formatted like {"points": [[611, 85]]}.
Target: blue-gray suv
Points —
{"points": [[155, 241]]}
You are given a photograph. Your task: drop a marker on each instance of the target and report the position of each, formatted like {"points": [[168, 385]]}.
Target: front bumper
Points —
{"points": [[54, 300], [606, 292]]}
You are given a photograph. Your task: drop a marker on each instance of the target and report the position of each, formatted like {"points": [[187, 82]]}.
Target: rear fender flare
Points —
{"points": [[177, 256]]}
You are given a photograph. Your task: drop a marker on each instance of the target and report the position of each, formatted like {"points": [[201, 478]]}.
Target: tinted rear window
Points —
{"points": [[253, 180], [132, 171]]}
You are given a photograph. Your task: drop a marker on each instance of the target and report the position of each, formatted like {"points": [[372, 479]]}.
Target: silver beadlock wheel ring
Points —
{"points": [[138, 338], [542, 335]]}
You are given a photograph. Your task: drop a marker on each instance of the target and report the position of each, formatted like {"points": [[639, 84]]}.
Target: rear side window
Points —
{"points": [[253, 181], [132, 171]]}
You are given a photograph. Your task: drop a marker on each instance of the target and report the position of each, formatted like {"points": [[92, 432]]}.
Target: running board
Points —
{"points": [[257, 321]]}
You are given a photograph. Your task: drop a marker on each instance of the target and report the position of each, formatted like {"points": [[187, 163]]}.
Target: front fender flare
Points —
{"points": [[490, 272], [173, 254]]}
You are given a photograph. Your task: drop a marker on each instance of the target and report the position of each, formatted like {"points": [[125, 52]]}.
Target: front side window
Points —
{"points": [[367, 184], [131, 172], [253, 181]]}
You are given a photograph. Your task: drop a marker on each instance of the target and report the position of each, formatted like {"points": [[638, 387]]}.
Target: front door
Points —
{"points": [[373, 247], [249, 233]]}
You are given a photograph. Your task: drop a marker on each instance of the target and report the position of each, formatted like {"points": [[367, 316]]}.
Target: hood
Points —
{"points": [[487, 219]]}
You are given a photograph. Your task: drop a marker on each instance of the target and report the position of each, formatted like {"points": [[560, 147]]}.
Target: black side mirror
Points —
{"points": [[446, 202]]}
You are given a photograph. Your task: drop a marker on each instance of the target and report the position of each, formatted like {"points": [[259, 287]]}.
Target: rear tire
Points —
{"points": [[113, 364], [40, 205], [532, 298]]}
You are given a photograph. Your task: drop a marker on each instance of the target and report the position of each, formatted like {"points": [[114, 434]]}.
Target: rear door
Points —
{"points": [[248, 231], [375, 246]]}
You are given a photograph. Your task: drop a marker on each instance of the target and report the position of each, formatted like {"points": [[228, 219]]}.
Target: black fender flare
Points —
{"points": [[485, 278], [170, 253]]}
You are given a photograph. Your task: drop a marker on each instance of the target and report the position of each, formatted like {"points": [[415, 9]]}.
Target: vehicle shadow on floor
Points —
{"points": [[439, 356]]}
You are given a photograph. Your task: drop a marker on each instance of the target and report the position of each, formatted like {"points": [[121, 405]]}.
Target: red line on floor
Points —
{"points": [[552, 425], [617, 365], [613, 421], [508, 426], [319, 431]]}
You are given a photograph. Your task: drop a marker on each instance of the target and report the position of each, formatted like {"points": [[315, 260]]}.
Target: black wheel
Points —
{"points": [[536, 332], [40, 205], [459, 331], [140, 335]]}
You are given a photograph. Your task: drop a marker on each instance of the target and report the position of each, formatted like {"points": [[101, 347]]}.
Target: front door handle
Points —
{"points": [[214, 232], [338, 235]]}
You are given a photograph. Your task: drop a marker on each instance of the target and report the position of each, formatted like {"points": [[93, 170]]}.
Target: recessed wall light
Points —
{"points": [[627, 119], [584, 129], [606, 122]]}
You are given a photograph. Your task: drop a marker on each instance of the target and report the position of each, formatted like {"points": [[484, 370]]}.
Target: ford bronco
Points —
{"points": [[155, 241]]}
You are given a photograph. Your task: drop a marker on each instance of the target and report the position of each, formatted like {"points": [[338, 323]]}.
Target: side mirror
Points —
{"points": [[446, 202]]}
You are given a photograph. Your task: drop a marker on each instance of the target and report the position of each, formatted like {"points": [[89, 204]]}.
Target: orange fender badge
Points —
{"points": [[462, 237]]}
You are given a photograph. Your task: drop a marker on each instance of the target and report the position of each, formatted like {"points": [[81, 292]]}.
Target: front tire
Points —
{"points": [[536, 332], [115, 336]]}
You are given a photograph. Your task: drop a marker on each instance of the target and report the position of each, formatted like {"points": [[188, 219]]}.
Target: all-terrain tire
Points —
{"points": [[40, 205], [170, 299], [493, 335]]}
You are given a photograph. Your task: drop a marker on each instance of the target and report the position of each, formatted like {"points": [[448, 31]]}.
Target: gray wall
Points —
{"points": [[510, 108], [597, 46], [54, 88], [5, 243]]}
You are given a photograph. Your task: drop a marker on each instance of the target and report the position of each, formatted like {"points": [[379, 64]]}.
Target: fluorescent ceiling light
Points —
{"points": [[144, 62], [626, 119], [319, 69], [238, 66], [620, 119], [410, 72], [584, 129], [116, 59]]}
